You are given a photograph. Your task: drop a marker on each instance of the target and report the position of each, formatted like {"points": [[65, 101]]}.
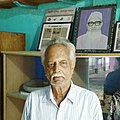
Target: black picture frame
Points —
{"points": [[51, 31], [98, 40], [116, 40]]}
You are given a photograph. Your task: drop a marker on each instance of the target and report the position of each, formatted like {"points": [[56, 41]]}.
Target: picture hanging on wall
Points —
{"points": [[52, 31], [95, 29], [116, 47]]}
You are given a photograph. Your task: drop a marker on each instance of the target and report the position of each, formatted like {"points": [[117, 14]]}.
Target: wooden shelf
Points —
{"points": [[37, 53], [98, 54], [17, 95], [25, 53]]}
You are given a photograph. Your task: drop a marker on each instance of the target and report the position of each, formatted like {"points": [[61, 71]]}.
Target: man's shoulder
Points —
{"points": [[104, 37], [83, 91], [41, 92], [82, 36]]}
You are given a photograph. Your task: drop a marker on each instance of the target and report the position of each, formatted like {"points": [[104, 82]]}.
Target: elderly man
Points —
{"points": [[62, 100], [93, 38]]}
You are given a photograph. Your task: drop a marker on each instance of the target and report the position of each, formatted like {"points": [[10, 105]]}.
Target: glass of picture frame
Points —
{"points": [[116, 43], [52, 31], [95, 29]]}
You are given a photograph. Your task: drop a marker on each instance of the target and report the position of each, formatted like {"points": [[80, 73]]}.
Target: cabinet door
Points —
{"points": [[17, 70]]}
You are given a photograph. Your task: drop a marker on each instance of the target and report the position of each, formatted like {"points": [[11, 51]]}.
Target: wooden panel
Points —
{"points": [[12, 41], [35, 2], [14, 108], [6, 4], [9, 3], [1, 82], [17, 70]]}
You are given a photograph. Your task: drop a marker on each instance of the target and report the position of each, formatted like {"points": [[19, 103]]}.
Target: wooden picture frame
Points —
{"points": [[52, 31], [95, 29]]}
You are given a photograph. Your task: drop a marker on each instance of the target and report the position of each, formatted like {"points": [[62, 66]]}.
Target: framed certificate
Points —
{"points": [[52, 31]]}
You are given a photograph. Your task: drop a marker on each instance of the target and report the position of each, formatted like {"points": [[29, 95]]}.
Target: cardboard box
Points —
{"points": [[12, 41]]}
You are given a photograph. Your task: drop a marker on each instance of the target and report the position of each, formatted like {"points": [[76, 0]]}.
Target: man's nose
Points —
{"points": [[56, 68]]}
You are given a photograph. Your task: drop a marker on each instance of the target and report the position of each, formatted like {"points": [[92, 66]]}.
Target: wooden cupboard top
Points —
{"points": [[38, 53], [10, 3], [25, 53]]}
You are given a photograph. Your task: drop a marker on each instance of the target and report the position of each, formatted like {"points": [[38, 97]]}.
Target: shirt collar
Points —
{"points": [[71, 93]]}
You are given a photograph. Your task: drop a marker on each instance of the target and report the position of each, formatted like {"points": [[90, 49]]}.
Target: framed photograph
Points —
{"points": [[95, 29], [52, 31], [60, 15], [116, 47]]}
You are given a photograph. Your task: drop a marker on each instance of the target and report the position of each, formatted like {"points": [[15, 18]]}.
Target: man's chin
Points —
{"points": [[55, 79], [57, 83]]}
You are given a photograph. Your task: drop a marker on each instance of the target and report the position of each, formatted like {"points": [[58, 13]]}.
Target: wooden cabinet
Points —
{"points": [[9, 41], [19, 67]]}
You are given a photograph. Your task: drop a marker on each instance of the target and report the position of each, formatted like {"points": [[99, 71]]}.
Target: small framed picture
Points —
{"points": [[116, 47], [95, 29], [60, 15], [52, 31]]}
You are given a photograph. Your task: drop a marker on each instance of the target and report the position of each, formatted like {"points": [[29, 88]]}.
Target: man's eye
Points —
{"points": [[63, 63], [50, 65]]}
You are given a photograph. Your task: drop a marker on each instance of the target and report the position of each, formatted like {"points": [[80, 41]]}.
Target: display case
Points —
{"points": [[19, 67]]}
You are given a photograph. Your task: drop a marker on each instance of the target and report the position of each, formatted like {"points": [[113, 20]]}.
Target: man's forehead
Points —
{"points": [[94, 19], [57, 51], [56, 47]]}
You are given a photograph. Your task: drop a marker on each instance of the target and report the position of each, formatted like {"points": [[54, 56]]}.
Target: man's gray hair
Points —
{"points": [[62, 41], [95, 14]]}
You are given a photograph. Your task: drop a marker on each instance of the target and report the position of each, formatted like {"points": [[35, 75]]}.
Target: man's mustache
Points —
{"points": [[57, 75]]}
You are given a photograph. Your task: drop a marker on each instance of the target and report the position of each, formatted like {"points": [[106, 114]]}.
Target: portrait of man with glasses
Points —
{"points": [[94, 37]]}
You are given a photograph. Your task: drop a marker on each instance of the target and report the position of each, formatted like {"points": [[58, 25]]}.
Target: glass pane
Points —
{"points": [[99, 67]]}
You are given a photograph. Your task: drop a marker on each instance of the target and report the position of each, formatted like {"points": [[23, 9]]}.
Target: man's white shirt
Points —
{"points": [[79, 104]]}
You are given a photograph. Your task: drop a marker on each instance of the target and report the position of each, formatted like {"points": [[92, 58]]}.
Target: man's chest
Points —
{"points": [[48, 111]]}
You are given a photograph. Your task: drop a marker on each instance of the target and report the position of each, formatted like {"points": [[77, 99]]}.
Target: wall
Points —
{"points": [[29, 21]]}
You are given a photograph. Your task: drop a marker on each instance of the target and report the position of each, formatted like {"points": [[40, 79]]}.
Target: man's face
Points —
{"points": [[94, 24], [58, 66]]}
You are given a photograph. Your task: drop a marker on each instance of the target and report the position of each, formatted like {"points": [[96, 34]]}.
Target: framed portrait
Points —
{"points": [[52, 31], [95, 29], [116, 47]]}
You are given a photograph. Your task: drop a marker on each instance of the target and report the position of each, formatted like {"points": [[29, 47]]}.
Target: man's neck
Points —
{"points": [[60, 92], [94, 34]]}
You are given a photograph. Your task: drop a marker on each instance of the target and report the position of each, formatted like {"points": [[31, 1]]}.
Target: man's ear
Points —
{"points": [[101, 24], [73, 65]]}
